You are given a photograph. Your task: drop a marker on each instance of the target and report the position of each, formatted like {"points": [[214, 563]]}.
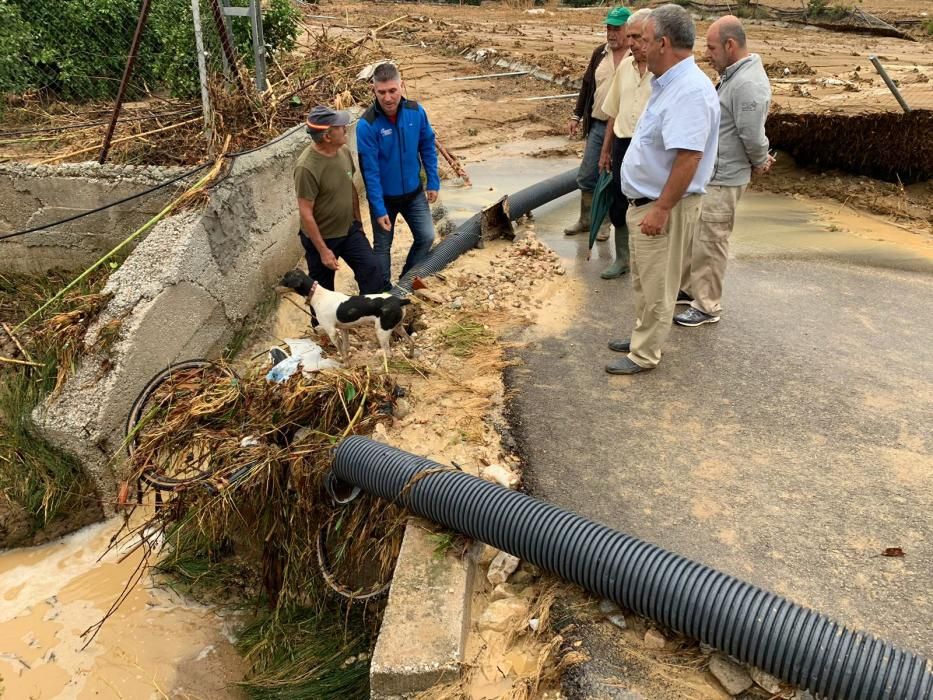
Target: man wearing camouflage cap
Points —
{"points": [[329, 205]]}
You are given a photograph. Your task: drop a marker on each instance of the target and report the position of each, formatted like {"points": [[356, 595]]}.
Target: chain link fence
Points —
{"points": [[63, 62]]}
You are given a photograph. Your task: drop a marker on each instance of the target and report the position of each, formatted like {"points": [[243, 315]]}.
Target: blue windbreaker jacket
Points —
{"points": [[391, 155]]}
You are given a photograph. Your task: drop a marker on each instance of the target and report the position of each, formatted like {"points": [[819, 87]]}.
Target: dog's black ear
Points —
{"points": [[297, 280]]}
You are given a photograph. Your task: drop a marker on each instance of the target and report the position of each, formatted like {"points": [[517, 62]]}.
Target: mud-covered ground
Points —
{"points": [[814, 71]]}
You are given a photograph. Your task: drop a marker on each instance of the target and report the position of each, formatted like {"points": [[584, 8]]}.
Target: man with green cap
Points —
{"points": [[588, 112]]}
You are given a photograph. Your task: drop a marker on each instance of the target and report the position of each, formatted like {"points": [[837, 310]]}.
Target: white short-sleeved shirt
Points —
{"points": [[682, 114]]}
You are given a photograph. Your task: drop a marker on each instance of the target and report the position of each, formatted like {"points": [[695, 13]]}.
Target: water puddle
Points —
{"points": [[767, 225], [155, 643]]}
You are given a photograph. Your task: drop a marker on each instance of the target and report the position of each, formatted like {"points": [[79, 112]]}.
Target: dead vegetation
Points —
{"points": [[43, 491], [157, 131]]}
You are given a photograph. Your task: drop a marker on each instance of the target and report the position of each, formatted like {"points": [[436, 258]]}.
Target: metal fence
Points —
{"points": [[71, 72]]}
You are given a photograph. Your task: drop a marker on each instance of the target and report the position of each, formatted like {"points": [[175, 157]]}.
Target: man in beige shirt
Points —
{"points": [[628, 94]]}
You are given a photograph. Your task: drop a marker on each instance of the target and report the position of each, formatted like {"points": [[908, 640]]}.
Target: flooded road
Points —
{"points": [[155, 645]]}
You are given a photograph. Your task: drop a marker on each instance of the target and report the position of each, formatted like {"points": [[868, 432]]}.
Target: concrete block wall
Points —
{"points": [[31, 195], [180, 295]]}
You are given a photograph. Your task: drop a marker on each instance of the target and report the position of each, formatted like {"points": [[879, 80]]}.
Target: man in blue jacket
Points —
{"points": [[395, 140]]}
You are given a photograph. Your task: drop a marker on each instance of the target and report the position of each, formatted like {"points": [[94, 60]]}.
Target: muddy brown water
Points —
{"points": [[154, 644]]}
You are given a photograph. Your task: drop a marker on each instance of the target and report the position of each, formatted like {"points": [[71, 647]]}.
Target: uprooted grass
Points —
{"points": [[465, 335], [45, 483], [247, 515]]}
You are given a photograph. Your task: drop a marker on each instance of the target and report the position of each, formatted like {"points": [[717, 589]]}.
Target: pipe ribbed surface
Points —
{"points": [[794, 643], [466, 236]]}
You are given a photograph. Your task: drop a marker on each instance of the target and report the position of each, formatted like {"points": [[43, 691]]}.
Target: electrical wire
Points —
{"points": [[155, 188]]}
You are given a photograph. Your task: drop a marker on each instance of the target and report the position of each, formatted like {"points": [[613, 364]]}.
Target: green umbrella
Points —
{"points": [[602, 196]]}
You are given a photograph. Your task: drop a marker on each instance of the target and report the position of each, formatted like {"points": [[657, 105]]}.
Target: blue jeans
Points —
{"points": [[354, 249], [417, 215], [589, 167]]}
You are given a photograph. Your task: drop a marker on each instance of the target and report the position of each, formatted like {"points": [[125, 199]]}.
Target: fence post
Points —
{"points": [[890, 83], [127, 72], [259, 44], [202, 68]]}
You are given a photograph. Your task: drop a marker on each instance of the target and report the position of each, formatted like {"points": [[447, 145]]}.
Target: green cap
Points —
{"points": [[618, 16]]}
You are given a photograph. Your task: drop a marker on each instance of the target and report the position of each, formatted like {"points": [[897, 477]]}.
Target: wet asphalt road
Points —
{"points": [[788, 445]]}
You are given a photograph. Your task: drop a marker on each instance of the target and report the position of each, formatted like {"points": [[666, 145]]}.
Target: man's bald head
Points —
{"points": [[726, 42], [729, 27]]}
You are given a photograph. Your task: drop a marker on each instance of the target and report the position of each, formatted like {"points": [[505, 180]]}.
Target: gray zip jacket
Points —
{"points": [[744, 98]]}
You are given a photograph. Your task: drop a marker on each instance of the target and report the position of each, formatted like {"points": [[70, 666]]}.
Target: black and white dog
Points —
{"points": [[338, 312]]}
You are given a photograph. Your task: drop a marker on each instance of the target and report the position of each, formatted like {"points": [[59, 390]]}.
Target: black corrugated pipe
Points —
{"points": [[466, 236], [794, 643]]}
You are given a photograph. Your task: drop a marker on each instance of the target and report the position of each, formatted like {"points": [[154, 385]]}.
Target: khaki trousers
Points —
{"points": [[705, 267], [657, 264]]}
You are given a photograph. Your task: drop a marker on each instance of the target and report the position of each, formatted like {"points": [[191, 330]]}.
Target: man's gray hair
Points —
{"points": [[317, 136], [675, 23], [732, 30], [639, 16], [385, 72]]}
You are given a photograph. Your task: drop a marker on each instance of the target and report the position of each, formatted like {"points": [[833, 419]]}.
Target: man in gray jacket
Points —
{"points": [[744, 98]]}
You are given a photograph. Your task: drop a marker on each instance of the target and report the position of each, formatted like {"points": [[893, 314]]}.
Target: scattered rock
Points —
{"points": [[534, 623], [500, 475], [608, 607], [765, 680], [732, 676], [428, 295], [501, 614], [457, 303], [505, 590], [402, 408], [501, 568], [380, 435], [618, 619], [526, 574], [655, 640]]}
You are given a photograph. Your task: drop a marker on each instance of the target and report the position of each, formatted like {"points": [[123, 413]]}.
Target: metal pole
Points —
{"points": [[127, 72], [226, 42], [202, 67], [259, 47], [890, 83]]}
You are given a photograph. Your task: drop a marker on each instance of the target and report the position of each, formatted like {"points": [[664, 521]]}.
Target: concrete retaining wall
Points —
{"points": [[31, 195], [180, 295]]}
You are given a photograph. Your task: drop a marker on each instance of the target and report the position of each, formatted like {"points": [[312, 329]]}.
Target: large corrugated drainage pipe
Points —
{"points": [[796, 644], [467, 235]]}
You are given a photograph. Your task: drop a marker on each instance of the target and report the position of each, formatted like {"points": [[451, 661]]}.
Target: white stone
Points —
{"points": [[654, 640], [732, 676], [501, 568], [500, 475], [502, 614], [504, 590], [765, 680]]}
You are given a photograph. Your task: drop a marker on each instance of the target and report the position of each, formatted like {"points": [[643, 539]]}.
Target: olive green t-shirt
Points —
{"points": [[328, 182]]}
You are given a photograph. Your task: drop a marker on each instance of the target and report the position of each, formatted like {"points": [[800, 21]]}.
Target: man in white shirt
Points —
{"points": [[626, 98], [664, 173]]}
